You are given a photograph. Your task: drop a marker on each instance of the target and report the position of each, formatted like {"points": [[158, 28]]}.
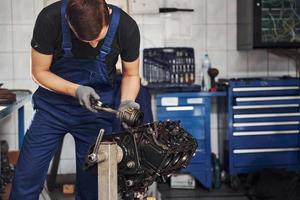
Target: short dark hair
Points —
{"points": [[87, 17]]}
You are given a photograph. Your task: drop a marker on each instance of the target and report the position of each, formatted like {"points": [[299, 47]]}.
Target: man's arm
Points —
{"points": [[130, 84], [41, 74]]}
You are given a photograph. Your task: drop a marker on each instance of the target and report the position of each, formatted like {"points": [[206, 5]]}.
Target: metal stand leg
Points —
{"points": [[106, 155], [107, 171], [21, 125]]}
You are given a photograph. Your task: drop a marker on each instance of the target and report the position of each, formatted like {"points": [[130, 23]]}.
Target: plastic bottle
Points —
{"points": [[206, 64]]}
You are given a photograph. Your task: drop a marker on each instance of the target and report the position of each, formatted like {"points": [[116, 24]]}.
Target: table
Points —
{"points": [[23, 96]]}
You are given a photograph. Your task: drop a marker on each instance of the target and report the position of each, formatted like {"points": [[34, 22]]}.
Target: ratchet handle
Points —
{"points": [[99, 106], [131, 116]]}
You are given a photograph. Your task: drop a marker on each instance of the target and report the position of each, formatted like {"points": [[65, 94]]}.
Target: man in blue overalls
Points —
{"points": [[75, 47]]}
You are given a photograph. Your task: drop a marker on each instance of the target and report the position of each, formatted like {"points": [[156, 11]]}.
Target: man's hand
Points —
{"points": [[84, 95], [128, 104], [124, 106]]}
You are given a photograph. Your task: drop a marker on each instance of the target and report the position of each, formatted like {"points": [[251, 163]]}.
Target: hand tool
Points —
{"points": [[131, 116]]}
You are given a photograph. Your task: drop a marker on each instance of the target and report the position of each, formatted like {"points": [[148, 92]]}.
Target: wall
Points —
{"points": [[16, 23], [211, 28]]}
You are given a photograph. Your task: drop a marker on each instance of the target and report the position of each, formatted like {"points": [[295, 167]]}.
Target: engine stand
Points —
{"points": [[108, 171]]}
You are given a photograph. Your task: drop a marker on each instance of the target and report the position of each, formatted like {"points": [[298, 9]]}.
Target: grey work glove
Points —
{"points": [[84, 95], [126, 105]]}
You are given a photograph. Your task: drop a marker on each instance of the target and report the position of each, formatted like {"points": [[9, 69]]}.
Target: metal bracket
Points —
{"points": [[107, 155]]}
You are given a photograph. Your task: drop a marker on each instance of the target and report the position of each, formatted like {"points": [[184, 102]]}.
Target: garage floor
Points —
{"points": [[182, 194], [167, 194]]}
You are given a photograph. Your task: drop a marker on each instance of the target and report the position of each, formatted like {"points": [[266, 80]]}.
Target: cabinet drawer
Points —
{"points": [[266, 117], [265, 141], [267, 159], [265, 89], [180, 111], [264, 109], [266, 126], [271, 100]]}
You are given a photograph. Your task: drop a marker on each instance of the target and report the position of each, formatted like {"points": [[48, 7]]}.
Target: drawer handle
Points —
{"points": [[180, 108], [265, 124], [266, 98], [266, 106], [266, 115], [245, 151], [253, 133], [254, 89]]}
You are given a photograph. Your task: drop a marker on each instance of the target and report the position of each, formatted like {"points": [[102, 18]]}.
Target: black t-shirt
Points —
{"points": [[47, 39]]}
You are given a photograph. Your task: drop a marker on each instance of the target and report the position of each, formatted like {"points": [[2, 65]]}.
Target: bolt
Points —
{"points": [[92, 157], [129, 183], [131, 164]]}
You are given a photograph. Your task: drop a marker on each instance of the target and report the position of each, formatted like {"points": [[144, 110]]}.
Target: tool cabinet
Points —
{"points": [[263, 125], [193, 110]]}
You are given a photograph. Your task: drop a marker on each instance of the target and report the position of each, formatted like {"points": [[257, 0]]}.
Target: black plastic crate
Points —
{"points": [[169, 66]]}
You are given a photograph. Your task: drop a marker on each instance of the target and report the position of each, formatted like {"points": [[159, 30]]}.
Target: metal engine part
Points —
{"points": [[150, 151], [132, 117]]}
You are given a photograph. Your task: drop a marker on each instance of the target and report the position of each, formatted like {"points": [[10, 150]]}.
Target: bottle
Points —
{"points": [[206, 65]]}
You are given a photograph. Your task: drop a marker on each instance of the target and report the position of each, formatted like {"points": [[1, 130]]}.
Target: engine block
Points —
{"points": [[151, 151]]}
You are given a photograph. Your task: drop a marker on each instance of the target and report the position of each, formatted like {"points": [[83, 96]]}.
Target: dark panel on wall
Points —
{"points": [[268, 24]]}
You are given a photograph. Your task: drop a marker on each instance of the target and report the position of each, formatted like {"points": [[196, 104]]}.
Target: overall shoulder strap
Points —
{"points": [[66, 37], [112, 29]]}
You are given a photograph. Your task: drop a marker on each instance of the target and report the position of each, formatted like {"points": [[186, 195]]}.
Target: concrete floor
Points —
{"points": [[199, 193], [167, 193]]}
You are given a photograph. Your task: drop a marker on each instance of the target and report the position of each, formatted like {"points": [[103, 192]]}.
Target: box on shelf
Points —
{"points": [[183, 181]]}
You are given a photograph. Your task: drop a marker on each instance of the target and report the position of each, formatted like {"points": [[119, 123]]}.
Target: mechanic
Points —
{"points": [[75, 47]]}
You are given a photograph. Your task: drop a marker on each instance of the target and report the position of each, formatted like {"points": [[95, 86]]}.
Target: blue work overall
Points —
{"points": [[57, 114]]}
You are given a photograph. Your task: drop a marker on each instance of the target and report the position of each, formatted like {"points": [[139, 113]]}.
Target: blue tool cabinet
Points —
{"points": [[193, 110], [263, 128]]}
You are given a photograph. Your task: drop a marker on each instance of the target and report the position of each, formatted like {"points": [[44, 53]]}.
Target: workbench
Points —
{"points": [[23, 96]]}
